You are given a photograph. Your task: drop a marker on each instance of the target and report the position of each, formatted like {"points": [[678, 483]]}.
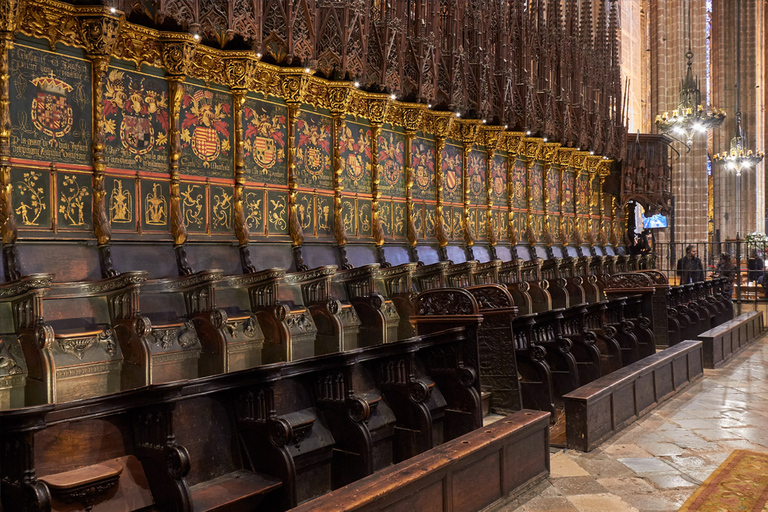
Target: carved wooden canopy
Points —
{"points": [[546, 66]]}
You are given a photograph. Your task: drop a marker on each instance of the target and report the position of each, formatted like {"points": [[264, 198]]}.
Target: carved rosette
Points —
{"points": [[240, 70]]}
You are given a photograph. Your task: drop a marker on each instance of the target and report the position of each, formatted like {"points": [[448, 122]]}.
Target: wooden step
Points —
{"points": [[236, 491]]}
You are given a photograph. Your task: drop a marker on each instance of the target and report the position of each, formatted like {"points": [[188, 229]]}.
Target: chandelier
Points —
{"points": [[691, 116], [739, 157]]}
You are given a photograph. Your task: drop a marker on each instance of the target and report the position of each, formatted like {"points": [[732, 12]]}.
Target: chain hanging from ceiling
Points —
{"points": [[549, 67]]}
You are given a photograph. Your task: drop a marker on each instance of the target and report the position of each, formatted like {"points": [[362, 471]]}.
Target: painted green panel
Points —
{"points": [[473, 214], [221, 209], [476, 174], [121, 194], [519, 179], [553, 189], [537, 180], [430, 221], [155, 202], [452, 173], [385, 217], [193, 206], [31, 198], [278, 212], [348, 214], [418, 219], [399, 219], [136, 121], [313, 151], [458, 222], [502, 231], [446, 220], [50, 106], [264, 141], [324, 215], [423, 164], [595, 195], [74, 200], [499, 179], [305, 211], [206, 132], [568, 206], [391, 146], [355, 140], [253, 209], [364, 217], [582, 194]]}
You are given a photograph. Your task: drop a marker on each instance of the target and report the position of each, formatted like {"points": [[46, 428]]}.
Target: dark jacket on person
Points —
{"points": [[690, 270], [756, 267]]}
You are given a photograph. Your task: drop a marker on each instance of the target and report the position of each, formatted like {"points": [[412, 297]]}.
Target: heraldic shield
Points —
{"points": [[51, 113], [137, 134], [264, 152], [206, 144]]}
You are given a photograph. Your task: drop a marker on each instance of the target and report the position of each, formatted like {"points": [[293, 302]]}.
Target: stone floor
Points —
{"points": [[659, 461]]}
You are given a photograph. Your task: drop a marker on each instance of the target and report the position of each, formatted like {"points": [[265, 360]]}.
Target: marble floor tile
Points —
{"points": [[655, 464]]}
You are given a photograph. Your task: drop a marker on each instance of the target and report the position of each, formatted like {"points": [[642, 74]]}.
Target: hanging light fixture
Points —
{"points": [[691, 116], [739, 158]]}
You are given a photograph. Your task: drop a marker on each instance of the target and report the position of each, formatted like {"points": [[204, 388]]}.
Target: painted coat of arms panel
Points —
{"points": [[568, 196], [553, 189], [264, 142], [537, 181], [452, 173], [499, 179], [206, 132], [50, 106], [476, 176], [74, 200], [391, 147], [519, 179], [121, 202], [355, 141], [31, 198], [582, 195], [313, 151], [423, 164], [136, 121]]}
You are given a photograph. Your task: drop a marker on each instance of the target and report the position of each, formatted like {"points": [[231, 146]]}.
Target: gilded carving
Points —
{"points": [[100, 32], [178, 51], [30, 197], [238, 198], [156, 207], [54, 23]]}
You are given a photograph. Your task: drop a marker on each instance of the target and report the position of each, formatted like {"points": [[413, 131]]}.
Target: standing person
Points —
{"points": [[689, 268], [725, 268], [756, 267]]}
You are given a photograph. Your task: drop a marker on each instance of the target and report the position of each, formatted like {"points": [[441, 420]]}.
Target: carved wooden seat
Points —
{"points": [[487, 269], [556, 287], [498, 362], [13, 365], [566, 270], [592, 292], [547, 333], [510, 274], [535, 378], [614, 317], [605, 337], [584, 348], [67, 334], [530, 272]]}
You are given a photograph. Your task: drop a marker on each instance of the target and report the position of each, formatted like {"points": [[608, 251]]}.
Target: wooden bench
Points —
{"points": [[598, 410], [468, 473], [722, 342]]}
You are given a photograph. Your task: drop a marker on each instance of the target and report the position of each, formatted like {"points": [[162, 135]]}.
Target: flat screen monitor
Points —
{"points": [[655, 221]]}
